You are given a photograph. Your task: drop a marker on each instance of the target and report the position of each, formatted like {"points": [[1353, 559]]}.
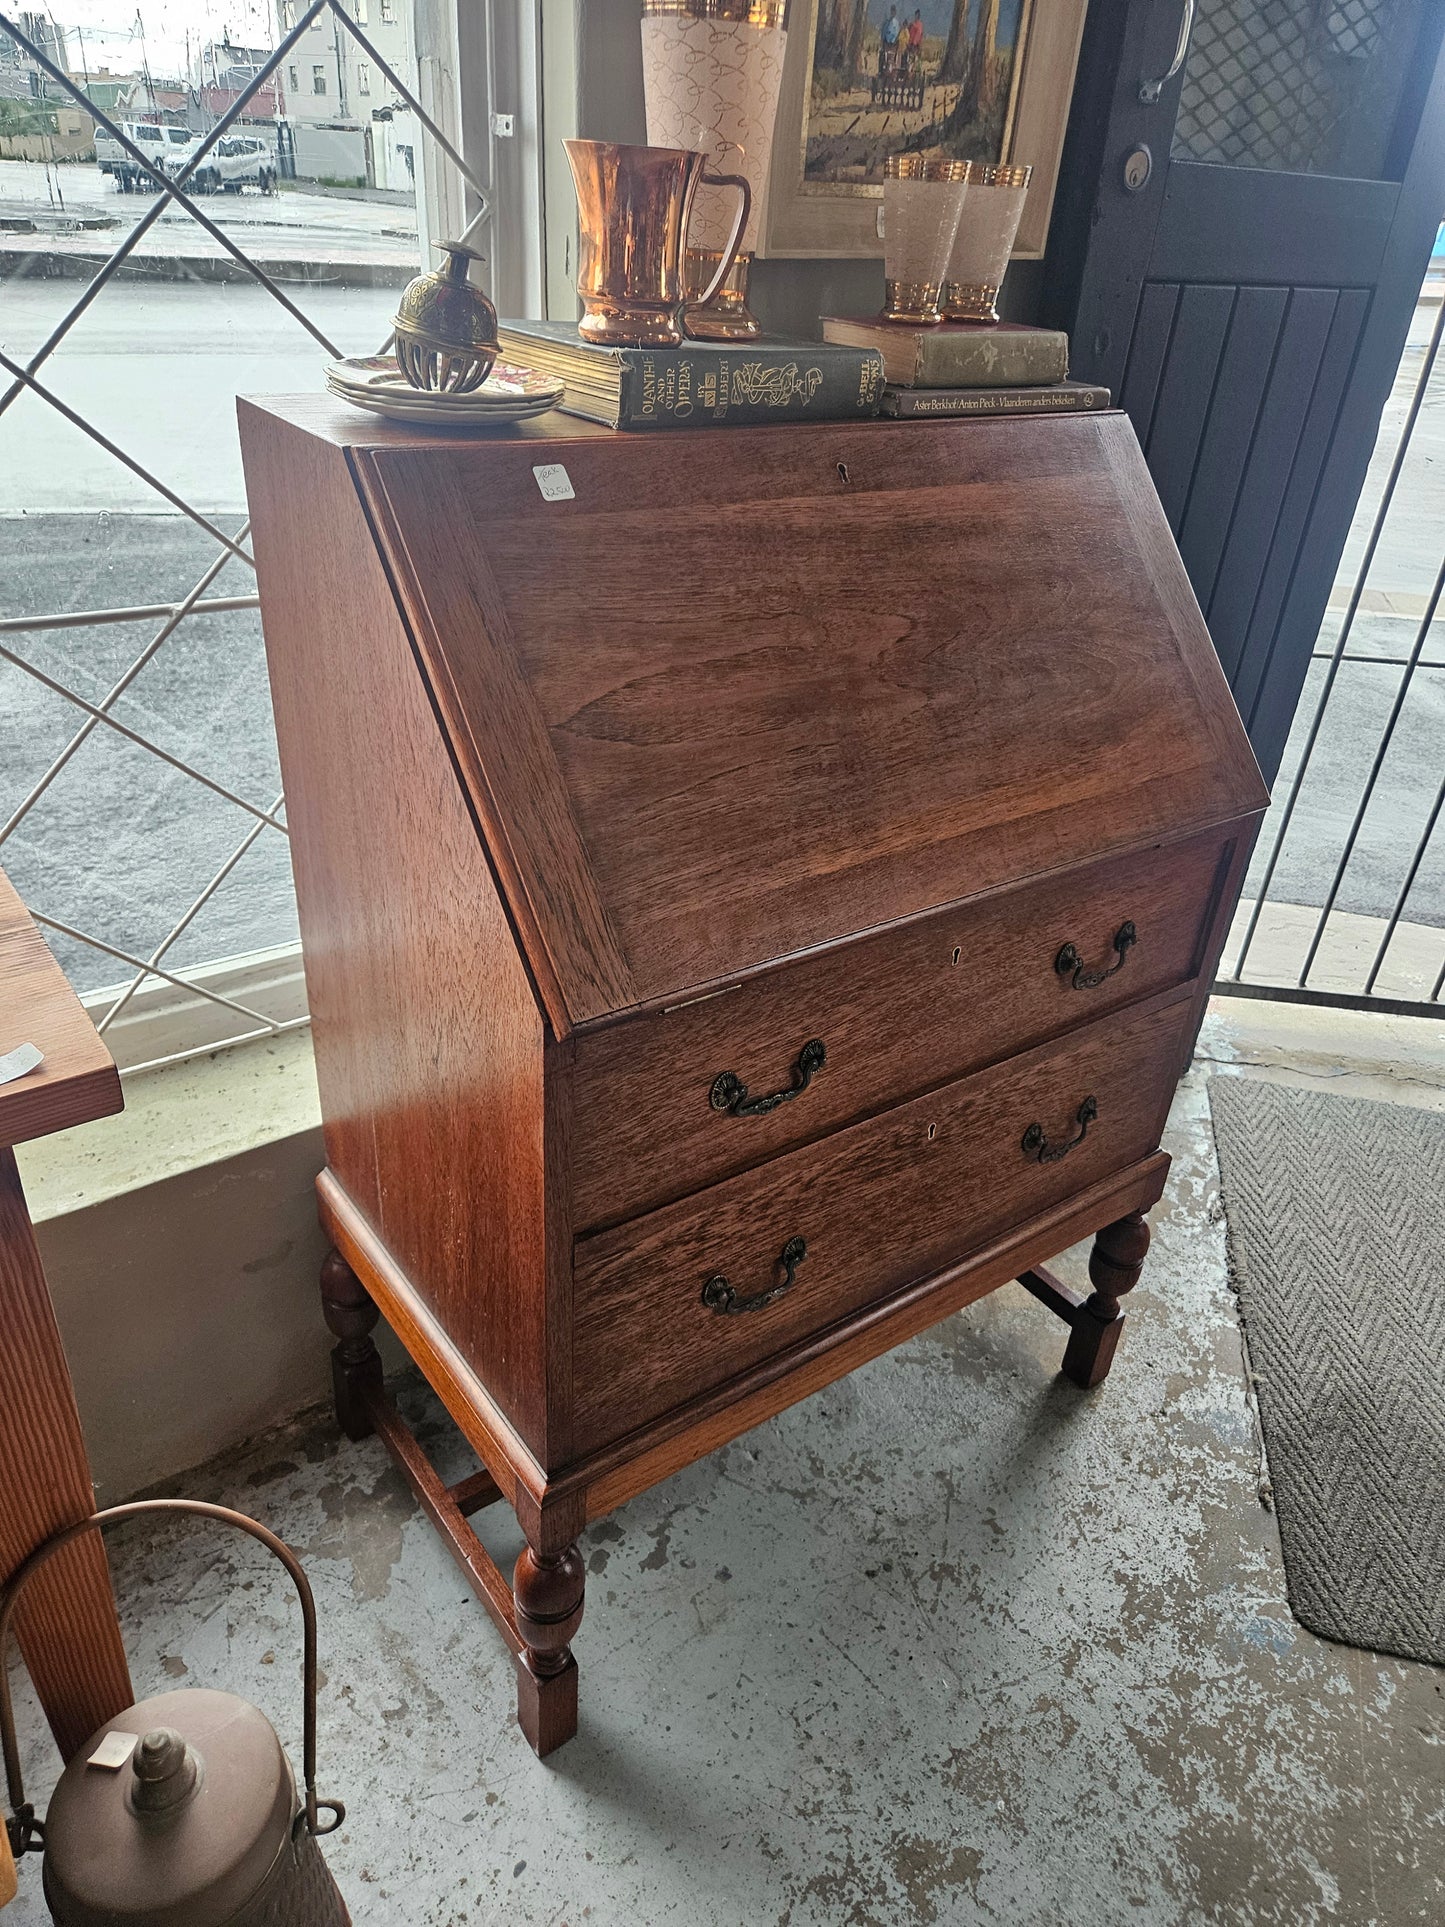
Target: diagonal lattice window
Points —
{"points": [[1307, 86], [140, 806]]}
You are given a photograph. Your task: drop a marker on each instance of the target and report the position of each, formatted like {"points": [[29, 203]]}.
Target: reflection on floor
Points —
{"points": [[951, 1642]]}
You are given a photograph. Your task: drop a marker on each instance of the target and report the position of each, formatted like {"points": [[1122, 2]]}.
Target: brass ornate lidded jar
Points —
{"points": [[922, 203], [712, 70], [985, 239], [446, 330]]}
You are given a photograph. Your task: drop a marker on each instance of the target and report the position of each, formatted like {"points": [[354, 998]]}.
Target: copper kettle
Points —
{"points": [[181, 1811]]}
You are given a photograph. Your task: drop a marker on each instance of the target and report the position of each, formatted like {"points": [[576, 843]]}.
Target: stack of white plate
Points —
{"points": [[509, 394]]}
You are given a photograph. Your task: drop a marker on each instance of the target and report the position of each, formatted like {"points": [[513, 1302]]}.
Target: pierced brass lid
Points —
{"points": [[446, 330]]}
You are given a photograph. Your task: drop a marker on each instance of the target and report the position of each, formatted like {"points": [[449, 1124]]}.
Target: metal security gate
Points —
{"points": [[1345, 902], [230, 1015]]}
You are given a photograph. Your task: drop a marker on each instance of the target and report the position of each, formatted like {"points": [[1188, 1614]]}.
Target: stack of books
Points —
{"points": [[701, 384], [969, 367]]}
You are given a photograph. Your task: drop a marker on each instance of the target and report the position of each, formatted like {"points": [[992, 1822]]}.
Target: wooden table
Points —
{"points": [[67, 1627]]}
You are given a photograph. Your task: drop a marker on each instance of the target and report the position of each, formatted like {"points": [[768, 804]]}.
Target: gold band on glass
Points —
{"points": [[976, 173], [960, 302], [752, 13], [987, 174], [911, 301]]}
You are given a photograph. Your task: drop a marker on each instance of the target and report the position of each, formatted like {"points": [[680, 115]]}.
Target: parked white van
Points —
{"points": [[157, 141]]}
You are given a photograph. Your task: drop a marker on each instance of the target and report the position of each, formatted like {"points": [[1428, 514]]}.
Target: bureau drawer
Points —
{"points": [[668, 1102], [692, 1294]]}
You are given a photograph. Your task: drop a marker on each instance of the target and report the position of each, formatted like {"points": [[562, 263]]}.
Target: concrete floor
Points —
{"points": [[951, 1642]]}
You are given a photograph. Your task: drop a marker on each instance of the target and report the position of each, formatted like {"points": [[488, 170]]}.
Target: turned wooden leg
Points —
{"points": [[355, 1362], [1114, 1266], [547, 1600]]}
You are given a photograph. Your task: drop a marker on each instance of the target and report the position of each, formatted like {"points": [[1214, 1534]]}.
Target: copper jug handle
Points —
{"points": [[23, 1829], [735, 239]]}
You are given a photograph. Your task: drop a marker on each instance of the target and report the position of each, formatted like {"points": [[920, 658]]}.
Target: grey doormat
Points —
{"points": [[1336, 1218]]}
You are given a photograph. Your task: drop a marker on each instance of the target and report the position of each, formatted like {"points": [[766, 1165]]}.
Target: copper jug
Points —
{"points": [[634, 204], [181, 1811]]}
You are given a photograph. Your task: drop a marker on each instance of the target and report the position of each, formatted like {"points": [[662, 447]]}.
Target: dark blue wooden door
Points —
{"points": [[1237, 253]]}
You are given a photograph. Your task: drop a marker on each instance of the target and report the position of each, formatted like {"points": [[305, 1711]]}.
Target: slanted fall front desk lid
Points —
{"points": [[726, 696]]}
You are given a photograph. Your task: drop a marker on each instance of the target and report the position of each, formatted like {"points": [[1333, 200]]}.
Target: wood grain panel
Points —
{"points": [[1195, 347], [493, 722], [428, 1037], [917, 1006], [77, 1081], [630, 1465], [870, 766], [66, 1623], [685, 470], [944, 1174]]}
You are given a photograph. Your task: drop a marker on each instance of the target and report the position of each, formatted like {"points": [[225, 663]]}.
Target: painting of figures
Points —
{"points": [[936, 77]]}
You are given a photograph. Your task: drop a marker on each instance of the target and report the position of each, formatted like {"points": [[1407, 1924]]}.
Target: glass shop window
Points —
{"points": [[140, 793]]}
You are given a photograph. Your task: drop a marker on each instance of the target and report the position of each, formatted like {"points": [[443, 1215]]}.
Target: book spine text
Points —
{"points": [[694, 387], [995, 401]]}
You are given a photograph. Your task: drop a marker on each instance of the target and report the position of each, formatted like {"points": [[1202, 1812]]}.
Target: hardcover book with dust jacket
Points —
{"points": [[702, 383]]}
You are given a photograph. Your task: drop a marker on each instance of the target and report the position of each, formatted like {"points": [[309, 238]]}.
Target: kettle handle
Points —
{"points": [[23, 1829]]}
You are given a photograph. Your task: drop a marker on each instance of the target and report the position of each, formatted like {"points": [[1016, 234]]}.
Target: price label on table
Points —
{"points": [[554, 482]]}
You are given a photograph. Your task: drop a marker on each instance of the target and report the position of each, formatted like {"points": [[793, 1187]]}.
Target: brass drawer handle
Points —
{"points": [[1070, 963], [718, 1295], [1037, 1146], [730, 1094]]}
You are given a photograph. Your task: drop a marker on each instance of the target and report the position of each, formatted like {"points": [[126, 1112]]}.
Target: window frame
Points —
{"points": [[470, 54]]}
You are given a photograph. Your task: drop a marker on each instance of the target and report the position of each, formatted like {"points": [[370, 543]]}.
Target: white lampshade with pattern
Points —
{"points": [[712, 70]]}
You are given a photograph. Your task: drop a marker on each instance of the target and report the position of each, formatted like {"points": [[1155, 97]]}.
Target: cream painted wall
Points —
{"points": [[182, 1250], [189, 1311]]}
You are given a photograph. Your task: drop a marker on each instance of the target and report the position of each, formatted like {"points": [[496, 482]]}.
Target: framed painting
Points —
{"points": [[983, 80]]}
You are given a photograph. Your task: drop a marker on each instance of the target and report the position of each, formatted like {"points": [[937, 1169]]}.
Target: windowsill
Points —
{"points": [[177, 1119]]}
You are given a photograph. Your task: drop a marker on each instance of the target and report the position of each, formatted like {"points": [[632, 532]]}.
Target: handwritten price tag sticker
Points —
{"points": [[555, 483]]}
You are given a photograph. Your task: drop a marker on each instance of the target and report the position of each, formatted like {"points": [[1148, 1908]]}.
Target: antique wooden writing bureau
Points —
{"points": [[753, 905]]}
